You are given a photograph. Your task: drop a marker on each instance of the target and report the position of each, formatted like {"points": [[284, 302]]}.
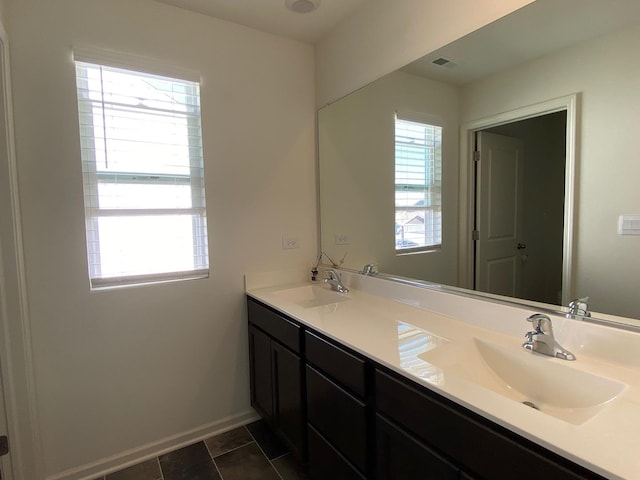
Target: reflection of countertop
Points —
{"points": [[381, 315]]}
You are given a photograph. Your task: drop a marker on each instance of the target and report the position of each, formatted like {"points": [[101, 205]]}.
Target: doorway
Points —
{"points": [[506, 124], [519, 208]]}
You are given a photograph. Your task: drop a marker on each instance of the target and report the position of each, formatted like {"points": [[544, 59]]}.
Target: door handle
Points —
{"points": [[522, 246]]}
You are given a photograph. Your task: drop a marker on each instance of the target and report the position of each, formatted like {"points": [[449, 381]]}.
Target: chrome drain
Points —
{"points": [[530, 404]]}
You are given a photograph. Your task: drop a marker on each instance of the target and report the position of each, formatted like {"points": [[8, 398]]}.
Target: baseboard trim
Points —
{"points": [[140, 454]]}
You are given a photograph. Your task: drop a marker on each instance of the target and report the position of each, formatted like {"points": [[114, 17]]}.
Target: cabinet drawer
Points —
{"points": [[283, 330], [494, 453], [338, 416], [327, 463], [340, 365], [400, 456]]}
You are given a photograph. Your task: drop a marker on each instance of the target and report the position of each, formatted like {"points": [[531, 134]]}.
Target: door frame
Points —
{"points": [[569, 104], [16, 357]]}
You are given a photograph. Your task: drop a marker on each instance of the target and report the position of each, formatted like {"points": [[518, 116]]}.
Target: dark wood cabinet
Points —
{"points": [[400, 456], [261, 373], [343, 367], [337, 410], [338, 416], [326, 462], [287, 381], [475, 444], [356, 419], [276, 375]]}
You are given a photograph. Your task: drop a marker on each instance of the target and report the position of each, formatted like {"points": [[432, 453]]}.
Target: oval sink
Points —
{"points": [[308, 296], [537, 381]]}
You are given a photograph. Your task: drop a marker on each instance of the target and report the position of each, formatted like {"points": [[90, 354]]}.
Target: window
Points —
{"points": [[418, 183], [143, 176]]}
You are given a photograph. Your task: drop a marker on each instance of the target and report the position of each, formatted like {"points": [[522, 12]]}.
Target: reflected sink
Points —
{"points": [[309, 296], [537, 381]]}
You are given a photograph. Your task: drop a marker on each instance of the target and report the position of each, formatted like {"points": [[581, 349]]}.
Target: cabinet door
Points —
{"points": [[287, 372], [261, 374], [400, 456]]}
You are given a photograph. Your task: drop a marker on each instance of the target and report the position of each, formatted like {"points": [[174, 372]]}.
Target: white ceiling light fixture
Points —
{"points": [[302, 6]]}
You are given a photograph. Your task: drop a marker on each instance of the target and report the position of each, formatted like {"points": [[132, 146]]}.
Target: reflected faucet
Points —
{"points": [[541, 339], [369, 269], [333, 279], [579, 308]]}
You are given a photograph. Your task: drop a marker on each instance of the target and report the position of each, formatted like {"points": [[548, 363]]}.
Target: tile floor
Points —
{"points": [[251, 452]]}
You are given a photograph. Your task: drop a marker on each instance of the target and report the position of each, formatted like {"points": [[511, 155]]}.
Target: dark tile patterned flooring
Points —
{"points": [[251, 452]]}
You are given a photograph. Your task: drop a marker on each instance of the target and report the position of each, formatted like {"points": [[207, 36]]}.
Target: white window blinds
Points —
{"points": [[418, 185], [143, 176]]}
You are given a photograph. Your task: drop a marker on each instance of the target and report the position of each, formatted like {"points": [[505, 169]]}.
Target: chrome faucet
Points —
{"points": [[333, 279], [541, 339], [579, 308], [370, 269]]}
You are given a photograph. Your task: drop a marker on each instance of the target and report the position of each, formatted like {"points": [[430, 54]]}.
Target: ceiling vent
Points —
{"points": [[444, 62], [302, 6]]}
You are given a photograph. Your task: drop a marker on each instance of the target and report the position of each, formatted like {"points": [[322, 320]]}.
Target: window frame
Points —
{"points": [[93, 178], [429, 121]]}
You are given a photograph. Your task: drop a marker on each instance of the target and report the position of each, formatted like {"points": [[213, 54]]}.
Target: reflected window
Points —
{"points": [[412, 343], [418, 186]]}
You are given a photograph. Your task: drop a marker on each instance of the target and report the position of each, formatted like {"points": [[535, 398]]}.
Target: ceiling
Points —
{"points": [[272, 16], [537, 29]]}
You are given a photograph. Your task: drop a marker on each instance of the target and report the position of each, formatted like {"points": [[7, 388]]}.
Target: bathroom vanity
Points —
{"points": [[391, 381]]}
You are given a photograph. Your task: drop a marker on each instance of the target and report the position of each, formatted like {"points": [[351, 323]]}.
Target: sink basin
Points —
{"points": [[309, 296], [536, 381]]}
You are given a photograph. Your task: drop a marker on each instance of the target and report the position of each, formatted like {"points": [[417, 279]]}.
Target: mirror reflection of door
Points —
{"points": [[520, 181], [499, 190]]}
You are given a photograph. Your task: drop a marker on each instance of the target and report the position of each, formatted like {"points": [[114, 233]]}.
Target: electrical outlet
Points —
{"points": [[289, 243], [342, 239]]}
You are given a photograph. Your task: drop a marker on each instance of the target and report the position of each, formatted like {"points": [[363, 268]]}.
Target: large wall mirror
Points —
{"points": [[550, 97]]}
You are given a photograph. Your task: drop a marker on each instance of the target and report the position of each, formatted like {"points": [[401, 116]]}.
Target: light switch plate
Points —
{"points": [[289, 243], [629, 224], [342, 239]]}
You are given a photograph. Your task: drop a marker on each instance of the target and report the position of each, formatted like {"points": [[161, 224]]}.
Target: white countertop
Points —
{"points": [[382, 318]]}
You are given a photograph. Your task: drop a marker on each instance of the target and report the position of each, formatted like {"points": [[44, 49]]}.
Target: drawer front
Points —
{"points": [[400, 456], [491, 454], [340, 365], [338, 416], [326, 463], [283, 330]]}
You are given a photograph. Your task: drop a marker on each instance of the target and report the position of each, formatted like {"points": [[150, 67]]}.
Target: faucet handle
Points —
{"points": [[333, 275], [541, 323]]}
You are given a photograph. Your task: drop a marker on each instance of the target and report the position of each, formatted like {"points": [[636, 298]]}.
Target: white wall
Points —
{"points": [[356, 144], [605, 72], [386, 35], [128, 369]]}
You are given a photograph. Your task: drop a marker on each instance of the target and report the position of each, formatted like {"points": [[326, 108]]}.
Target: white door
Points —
{"points": [[499, 194]]}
